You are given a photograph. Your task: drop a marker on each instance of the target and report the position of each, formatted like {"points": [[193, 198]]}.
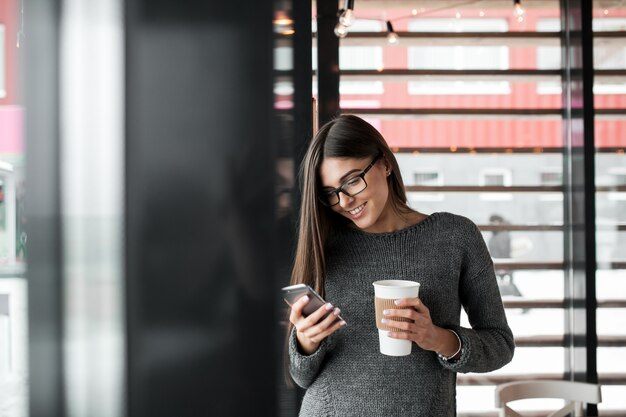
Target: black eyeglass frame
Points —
{"points": [[341, 190]]}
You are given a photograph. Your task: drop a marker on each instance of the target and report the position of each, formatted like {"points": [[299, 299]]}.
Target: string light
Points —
{"points": [[606, 11], [481, 13], [346, 18], [340, 30], [392, 36], [518, 10], [347, 14]]}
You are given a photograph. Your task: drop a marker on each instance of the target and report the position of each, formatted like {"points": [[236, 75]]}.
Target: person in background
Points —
{"points": [[500, 248], [500, 241], [355, 228]]}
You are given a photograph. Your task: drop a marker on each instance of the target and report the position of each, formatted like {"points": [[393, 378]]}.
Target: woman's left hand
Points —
{"points": [[421, 330]]}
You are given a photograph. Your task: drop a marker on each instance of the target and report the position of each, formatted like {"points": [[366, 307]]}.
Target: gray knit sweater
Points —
{"points": [[348, 376]]}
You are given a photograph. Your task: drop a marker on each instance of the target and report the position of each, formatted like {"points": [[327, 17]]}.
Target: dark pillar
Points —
{"points": [[327, 60], [200, 173], [579, 182], [302, 76]]}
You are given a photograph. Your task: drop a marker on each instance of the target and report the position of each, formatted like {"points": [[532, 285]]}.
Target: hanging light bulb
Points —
{"points": [[346, 17], [340, 30], [518, 10], [392, 36]]}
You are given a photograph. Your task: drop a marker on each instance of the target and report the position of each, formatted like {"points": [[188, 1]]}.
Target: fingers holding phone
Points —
{"points": [[327, 324], [311, 330], [315, 327]]}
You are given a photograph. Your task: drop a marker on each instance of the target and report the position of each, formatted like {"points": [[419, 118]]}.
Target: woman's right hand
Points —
{"points": [[312, 329]]}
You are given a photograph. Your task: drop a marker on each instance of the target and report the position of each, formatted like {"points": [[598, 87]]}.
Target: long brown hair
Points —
{"points": [[347, 136]]}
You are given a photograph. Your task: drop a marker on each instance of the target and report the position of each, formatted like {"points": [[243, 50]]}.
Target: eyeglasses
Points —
{"points": [[350, 187]]}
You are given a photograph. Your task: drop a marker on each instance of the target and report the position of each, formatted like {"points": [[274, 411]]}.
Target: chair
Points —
{"points": [[576, 393]]}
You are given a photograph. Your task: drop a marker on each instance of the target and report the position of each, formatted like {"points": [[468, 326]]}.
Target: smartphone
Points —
{"points": [[293, 293]]}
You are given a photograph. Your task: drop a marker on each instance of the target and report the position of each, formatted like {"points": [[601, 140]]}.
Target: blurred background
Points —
{"points": [[114, 302]]}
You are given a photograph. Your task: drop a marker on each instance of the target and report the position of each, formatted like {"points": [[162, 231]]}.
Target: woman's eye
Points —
{"points": [[352, 181]]}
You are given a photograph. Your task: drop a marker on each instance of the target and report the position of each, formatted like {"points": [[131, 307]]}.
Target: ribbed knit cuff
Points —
{"points": [[304, 368]]}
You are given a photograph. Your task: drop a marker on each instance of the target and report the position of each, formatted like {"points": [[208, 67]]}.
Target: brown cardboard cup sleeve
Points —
{"points": [[388, 304]]}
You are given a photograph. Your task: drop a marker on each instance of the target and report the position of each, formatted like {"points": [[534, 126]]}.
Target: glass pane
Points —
{"points": [[456, 150], [610, 93], [487, 151], [13, 285], [460, 92]]}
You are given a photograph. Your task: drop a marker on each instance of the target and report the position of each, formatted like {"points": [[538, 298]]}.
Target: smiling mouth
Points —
{"points": [[357, 210]]}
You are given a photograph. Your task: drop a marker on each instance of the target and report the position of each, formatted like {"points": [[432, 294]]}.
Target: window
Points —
{"points": [[609, 56], [619, 175], [617, 178], [495, 177], [361, 87], [359, 57], [427, 177], [551, 176], [604, 56], [548, 57], [458, 57]]}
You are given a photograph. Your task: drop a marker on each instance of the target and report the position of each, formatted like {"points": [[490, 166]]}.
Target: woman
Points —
{"points": [[356, 228]]}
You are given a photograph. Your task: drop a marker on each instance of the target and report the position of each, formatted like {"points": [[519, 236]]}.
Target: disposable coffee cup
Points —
{"points": [[385, 293]]}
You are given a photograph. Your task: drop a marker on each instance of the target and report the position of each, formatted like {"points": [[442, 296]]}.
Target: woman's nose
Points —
{"points": [[345, 200]]}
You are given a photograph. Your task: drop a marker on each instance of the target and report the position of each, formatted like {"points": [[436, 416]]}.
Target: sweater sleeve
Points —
{"points": [[489, 343], [305, 368]]}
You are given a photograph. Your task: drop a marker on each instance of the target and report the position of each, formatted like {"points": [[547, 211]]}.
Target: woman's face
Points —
{"points": [[369, 210]]}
